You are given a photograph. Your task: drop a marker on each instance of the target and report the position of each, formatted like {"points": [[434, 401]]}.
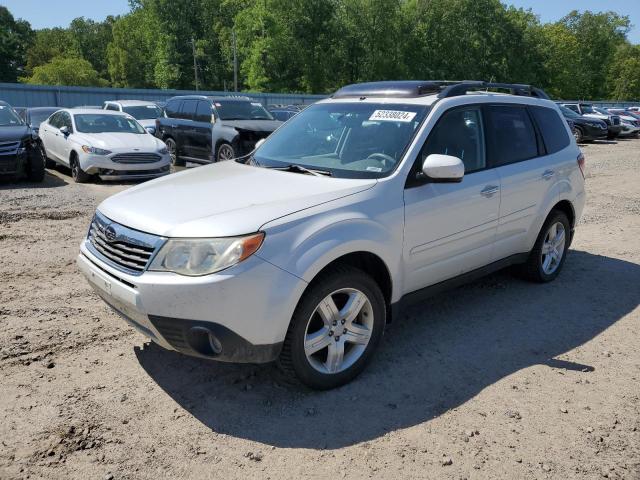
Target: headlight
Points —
{"points": [[163, 151], [202, 256], [95, 151]]}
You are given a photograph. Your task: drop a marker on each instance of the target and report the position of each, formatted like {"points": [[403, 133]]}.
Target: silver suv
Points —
{"points": [[305, 249]]}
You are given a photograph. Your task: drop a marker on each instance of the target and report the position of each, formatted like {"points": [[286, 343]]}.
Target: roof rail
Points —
{"points": [[444, 89], [513, 88]]}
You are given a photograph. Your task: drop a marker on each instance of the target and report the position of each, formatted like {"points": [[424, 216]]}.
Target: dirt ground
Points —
{"points": [[498, 379]]}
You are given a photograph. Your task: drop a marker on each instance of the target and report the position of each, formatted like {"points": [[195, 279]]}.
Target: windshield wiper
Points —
{"points": [[300, 169]]}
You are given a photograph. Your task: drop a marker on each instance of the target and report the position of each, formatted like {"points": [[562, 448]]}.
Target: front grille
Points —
{"points": [[136, 157], [127, 249], [615, 120], [9, 148], [8, 164]]}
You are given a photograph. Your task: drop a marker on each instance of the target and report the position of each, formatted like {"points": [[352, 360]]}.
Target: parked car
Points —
{"points": [[20, 153], [586, 129], [634, 109], [283, 114], [88, 107], [213, 129], [364, 202], [144, 112], [630, 124], [36, 115], [110, 145], [614, 126]]}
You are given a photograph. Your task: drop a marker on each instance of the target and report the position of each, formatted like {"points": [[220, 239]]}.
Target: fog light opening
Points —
{"points": [[203, 341]]}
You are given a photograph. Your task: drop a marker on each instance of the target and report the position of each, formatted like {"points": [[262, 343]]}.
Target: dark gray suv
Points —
{"points": [[204, 129]]}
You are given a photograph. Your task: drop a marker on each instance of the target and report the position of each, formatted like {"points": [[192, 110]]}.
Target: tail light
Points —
{"points": [[581, 163]]}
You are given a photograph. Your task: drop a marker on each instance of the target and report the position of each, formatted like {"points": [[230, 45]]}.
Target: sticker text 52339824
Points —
{"points": [[392, 116]]}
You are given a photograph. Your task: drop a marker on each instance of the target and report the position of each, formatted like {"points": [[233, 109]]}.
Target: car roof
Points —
{"points": [[224, 98], [80, 111], [131, 102], [42, 109]]}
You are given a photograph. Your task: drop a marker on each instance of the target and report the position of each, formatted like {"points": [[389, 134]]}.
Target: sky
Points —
{"points": [[59, 13]]}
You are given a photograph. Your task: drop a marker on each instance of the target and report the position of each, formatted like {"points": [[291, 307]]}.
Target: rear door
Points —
{"points": [[450, 227], [517, 152], [49, 134], [169, 125]]}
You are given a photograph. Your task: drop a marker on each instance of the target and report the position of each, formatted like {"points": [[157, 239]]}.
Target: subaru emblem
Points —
{"points": [[110, 233]]}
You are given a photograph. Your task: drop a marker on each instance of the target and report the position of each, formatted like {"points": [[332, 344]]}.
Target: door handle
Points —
{"points": [[489, 191], [548, 174]]}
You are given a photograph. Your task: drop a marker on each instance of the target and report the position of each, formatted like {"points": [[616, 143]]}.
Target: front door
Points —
{"points": [[450, 227]]}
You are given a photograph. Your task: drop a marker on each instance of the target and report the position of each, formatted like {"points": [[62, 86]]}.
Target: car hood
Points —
{"points": [[222, 200], [596, 115], [149, 122], [253, 125], [14, 133], [120, 141]]}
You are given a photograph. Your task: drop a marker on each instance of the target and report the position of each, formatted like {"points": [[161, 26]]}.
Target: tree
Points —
{"points": [[92, 39], [48, 44], [15, 38], [72, 71], [624, 74]]}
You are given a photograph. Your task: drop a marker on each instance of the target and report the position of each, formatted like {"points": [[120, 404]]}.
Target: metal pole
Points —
{"points": [[195, 65], [235, 61]]}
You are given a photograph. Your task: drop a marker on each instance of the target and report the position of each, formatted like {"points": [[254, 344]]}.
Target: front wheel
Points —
{"points": [[579, 136], [173, 153], [335, 329], [78, 175], [550, 250], [225, 153], [35, 168]]}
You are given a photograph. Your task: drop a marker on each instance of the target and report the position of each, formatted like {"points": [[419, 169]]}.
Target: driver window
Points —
{"points": [[458, 133]]}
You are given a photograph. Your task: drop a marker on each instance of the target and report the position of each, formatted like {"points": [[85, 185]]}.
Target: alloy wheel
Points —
{"points": [[338, 331], [553, 248], [225, 152]]}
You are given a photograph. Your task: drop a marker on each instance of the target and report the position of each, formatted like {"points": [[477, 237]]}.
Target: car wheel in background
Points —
{"points": [[79, 175], [225, 153], [579, 136], [335, 329], [35, 168], [550, 250], [173, 152]]}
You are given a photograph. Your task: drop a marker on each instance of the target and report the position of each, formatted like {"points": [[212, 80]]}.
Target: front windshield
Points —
{"points": [[349, 140], [9, 118], [588, 109], [241, 110], [567, 112], [143, 112], [100, 123]]}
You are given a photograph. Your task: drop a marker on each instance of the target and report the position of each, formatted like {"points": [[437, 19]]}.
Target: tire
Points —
{"points": [[578, 134], [612, 136], [225, 152], [48, 163], [78, 175], [536, 268], [342, 285], [173, 152], [35, 168]]}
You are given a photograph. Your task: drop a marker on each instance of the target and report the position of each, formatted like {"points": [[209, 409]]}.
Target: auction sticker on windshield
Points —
{"points": [[392, 116]]}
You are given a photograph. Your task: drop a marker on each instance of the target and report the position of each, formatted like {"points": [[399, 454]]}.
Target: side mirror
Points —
{"points": [[443, 168], [259, 143], [151, 130], [64, 130]]}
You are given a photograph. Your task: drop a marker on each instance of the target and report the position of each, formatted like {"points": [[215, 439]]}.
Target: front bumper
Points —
{"points": [[107, 169], [238, 315]]}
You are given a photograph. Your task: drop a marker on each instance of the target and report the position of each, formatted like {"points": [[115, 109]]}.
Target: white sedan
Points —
{"points": [[111, 145]]}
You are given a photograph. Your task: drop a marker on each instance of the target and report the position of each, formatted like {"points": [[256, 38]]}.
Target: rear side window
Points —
{"points": [[510, 134], [173, 108], [554, 133], [188, 110]]}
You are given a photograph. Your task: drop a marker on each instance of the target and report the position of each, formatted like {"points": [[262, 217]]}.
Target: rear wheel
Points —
{"points": [[579, 136], [550, 250], [335, 329], [225, 153], [173, 152], [35, 169], [48, 163], [79, 175]]}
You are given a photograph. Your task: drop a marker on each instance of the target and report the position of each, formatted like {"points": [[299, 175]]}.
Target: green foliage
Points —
{"points": [[15, 38], [316, 46], [72, 71]]}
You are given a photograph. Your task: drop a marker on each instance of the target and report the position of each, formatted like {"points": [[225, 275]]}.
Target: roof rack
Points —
{"points": [[444, 89]]}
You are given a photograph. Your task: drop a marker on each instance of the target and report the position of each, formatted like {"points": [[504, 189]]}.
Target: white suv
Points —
{"points": [[304, 250]]}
